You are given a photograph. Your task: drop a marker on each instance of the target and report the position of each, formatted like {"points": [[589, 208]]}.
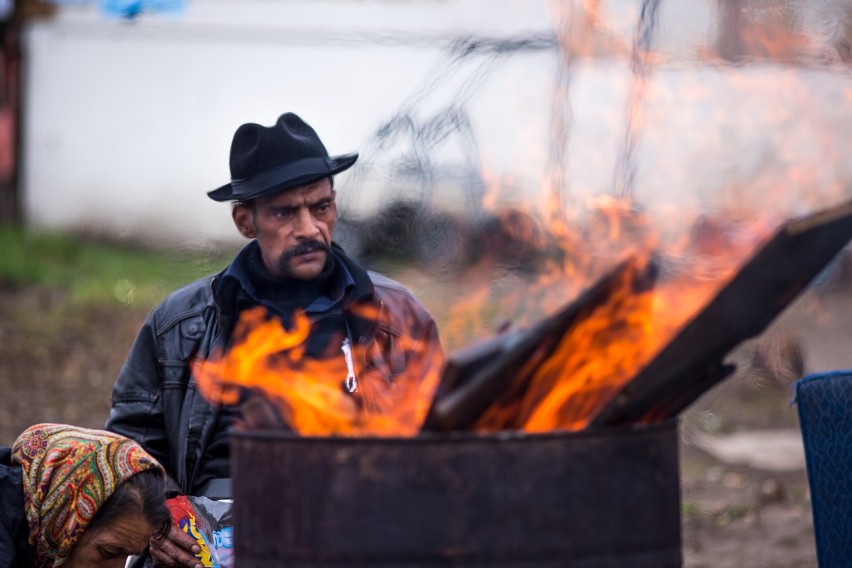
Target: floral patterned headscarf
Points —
{"points": [[68, 474]]}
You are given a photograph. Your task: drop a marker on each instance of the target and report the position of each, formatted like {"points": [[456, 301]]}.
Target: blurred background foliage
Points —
{"points": [[86, 271]]}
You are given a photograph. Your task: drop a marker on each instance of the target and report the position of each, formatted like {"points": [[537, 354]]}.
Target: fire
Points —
{"points": [[308, 394], [605, 350], [562, 387]]}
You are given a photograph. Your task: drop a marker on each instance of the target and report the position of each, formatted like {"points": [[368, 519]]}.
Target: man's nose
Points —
{"points": [[305, 225]]}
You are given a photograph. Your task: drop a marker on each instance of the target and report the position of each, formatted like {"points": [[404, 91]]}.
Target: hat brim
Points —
{"points": [[285, 179]]}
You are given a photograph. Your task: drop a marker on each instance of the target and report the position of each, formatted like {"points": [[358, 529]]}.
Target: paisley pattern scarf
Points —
{"points": [[69, 473]]}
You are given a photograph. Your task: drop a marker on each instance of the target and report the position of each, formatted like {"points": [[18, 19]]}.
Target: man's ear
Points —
{"points": [[243, 217]]}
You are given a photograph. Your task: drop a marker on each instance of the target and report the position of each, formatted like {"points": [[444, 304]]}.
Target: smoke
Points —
{"points": [[652, 140]]}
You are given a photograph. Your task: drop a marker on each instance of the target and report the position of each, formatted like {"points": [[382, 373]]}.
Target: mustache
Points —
{"points": [[304, 248], [307, 247]]}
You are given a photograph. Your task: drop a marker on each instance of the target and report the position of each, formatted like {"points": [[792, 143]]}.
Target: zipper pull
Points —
{"points": [[351, 381]]}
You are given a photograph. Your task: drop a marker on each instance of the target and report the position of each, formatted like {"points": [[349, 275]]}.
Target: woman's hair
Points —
{"points": [[143, 495]]}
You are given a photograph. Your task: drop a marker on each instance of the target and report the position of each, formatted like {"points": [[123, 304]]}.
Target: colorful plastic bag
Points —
{"points": [[209, 522]]}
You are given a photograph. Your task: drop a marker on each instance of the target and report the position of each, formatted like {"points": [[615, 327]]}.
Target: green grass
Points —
{"points": [[88, 271]]}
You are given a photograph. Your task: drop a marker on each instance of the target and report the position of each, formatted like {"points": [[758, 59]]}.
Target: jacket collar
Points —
{"points": [[231, 282]]}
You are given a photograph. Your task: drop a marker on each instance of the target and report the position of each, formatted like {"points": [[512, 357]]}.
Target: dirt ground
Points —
{"points": [[748, 504], [738, 510]]}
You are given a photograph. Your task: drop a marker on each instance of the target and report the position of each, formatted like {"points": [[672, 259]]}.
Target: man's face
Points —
{"points": [[293, 229]]}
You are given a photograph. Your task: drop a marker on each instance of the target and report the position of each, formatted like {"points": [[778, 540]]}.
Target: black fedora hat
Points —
{"points": [[266, 160]]}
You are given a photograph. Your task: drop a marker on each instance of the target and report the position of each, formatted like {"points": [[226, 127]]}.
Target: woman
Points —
{"points": [[75, 497]]}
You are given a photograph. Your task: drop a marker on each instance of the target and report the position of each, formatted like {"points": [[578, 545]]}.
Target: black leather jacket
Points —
{"points": [[155, 399]]}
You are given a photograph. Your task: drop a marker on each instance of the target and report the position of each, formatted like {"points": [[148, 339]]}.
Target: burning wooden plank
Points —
{"points": [[692, 362]]}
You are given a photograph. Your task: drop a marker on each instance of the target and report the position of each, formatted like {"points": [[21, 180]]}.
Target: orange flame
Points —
{"points": [[607, 349], [309, 392]]}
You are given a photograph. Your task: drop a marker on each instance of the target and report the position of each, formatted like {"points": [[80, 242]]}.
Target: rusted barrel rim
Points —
{"points": [[461, 437]]}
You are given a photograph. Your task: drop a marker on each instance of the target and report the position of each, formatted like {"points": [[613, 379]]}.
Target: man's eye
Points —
{"points": [[284, 214], [322, 208]]}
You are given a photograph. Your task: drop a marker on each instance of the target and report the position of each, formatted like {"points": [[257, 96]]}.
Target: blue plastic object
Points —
{"points": [[824, 402], [132, 8]]}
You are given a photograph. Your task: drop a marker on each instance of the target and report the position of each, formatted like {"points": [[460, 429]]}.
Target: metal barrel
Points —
{"points": [[599, 498]]}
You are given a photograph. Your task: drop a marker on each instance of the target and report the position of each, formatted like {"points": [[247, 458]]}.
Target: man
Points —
{"points": [[284, 201]]}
